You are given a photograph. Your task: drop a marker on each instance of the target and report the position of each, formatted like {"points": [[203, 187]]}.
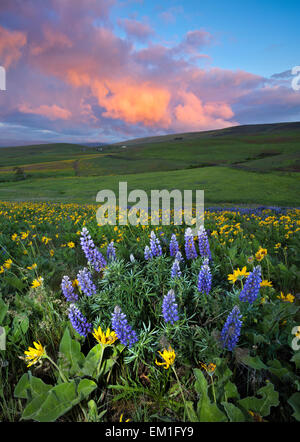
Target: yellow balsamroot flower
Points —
{"points": [[168, 356], [287, 298], [210, 368], [34, 266], [107, 338], [51, 252], [33, 355], [7, 264], [2, 269], [266, 283], [14, 236], [237, 274], [75, 283], [260, 254], [71, 245], [121, 419], [37, 282]]}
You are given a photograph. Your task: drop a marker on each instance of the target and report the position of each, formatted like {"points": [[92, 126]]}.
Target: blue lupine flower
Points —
{"points": [[78, 321], [251, 287], [85, 282], [190, 249], [175, 271], [170, 308], [123, 330], [232, 329], [179, 256], [111, 251], [147, 253], [204, 248], [92, 254], [204, 278], [174, 247], [155, 246], [68, 289]]}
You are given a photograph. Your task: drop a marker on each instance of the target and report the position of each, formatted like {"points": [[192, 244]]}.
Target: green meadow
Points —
{"points": [[256, 164]]}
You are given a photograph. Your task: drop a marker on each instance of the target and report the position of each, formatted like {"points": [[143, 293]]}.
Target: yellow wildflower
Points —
{"points": [[260, 254], [266, 283], [107, 338], [7, 264], [37, 282], [71, 245], [168, 356], [33, 355]]}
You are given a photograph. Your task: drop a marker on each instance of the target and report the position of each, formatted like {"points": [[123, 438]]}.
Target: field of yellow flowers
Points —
{"points": [[148, 323]]}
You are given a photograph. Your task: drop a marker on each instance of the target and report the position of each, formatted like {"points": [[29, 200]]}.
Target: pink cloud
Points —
{"points": [[11, 44], [136, 29], [52, 112]]}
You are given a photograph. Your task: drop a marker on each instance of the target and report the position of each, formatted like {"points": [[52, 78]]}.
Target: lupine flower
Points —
{"points": [[179, 256], [78, 321], [190, 249], [232, 329], [155, 246], [33, 355], [251, 288], [204, 278], [174, 248], [92, 254], [111, 251], [147, 253], [204, 248], [168, 356], [85, 282], [175, 271], [123, 330], [68, 289], [170, 308], [107, 338]]}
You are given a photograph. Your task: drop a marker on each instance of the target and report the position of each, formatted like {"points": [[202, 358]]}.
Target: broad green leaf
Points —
{"points": [[276, 368], [191, 414], [231, 390], [3, 310], [234, 413], [71, 359], [294, 402], [269, 398], [254, 362], [30, 387], [57, 401], [207, 411], [296, 359]]}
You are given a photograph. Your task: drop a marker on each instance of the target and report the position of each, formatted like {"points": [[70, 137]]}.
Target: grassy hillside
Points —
{"points": [[242, 164]]}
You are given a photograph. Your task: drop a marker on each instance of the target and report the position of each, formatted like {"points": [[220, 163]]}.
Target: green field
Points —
{"points": [[256, 164]]}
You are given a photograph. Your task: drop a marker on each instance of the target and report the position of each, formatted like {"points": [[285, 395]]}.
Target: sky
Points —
{"points": [[111, 70]]}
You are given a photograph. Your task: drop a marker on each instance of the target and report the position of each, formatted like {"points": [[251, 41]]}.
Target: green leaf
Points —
{"points": [[254, 362], [30, 387], [191, 414], [14, 281], [231, 390], [296, 359], [269, 398], [234, 413], [71, 359], [294, 402], [277, 369], [58, 400], [3, 310], [207, 411]]}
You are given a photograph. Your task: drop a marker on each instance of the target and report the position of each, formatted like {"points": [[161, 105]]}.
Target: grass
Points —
{"points": [[233, 166]]}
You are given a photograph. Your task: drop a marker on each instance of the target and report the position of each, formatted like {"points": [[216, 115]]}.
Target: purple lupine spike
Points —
{"points": [[252, 285], [170, 308], [123, 330], [111, 251], [190, 249], [179, 256], [174, 247], [68, 289], [232, 328], [204, 278], [85, 282], [92, 254], [147, 253], [155, 246], [175, 271], [78, 321], [204, 248]]}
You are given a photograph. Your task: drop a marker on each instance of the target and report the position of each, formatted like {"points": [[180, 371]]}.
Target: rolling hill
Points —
{"points": [[252, 164]]}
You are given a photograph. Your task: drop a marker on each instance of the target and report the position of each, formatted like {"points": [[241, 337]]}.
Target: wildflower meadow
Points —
{"points": [[149, 323]]}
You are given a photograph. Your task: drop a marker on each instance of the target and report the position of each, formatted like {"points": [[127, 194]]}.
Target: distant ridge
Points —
{"points": [[247, 129]]}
